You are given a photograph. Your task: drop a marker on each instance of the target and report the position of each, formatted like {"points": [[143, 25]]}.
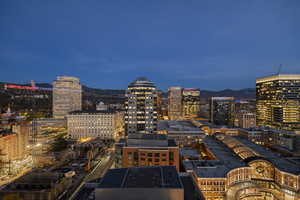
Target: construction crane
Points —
{"points": [[279, 69]]}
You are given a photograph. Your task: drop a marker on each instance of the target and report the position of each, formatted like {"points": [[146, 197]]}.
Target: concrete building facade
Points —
{"points": [[175, 103], [103, 124], [67, 96]]}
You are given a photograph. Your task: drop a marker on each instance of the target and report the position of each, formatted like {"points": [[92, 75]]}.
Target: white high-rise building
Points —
{"points": [[141, 108], [67, 92]]}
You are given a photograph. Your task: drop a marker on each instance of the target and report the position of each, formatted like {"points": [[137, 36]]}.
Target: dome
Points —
{"points": [[142, 81]]}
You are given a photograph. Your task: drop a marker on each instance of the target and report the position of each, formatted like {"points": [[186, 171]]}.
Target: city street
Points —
{"points": [[98, 171]]}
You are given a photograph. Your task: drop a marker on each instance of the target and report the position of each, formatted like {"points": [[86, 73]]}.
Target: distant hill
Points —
{"points": [[24, 99], [248, 93]]}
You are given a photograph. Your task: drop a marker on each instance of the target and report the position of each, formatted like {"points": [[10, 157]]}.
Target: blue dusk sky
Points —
{"points": [[207, 44]]}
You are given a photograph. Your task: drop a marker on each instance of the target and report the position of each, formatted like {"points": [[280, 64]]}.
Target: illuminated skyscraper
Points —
{"points": [[175, 103], [159, 104], [141, 109], [66, 96], [278, 101], [221, 110], [191, 102]]}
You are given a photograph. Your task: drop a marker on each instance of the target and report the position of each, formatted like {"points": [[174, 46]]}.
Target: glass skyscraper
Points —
{"points": [[278, 101], [221, 110], [191, 102]]}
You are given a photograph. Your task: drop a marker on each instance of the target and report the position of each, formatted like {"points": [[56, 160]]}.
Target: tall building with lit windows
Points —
{"points": [[278, 101], [141, 108], [175, 103], [221, 110], [66, 96], [191, 102]]}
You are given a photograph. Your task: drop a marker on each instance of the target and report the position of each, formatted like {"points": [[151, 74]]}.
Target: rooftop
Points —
{"points": [[176, 125], [278, 77], [141, 81], [149, 140], [280, 162], [35, 181], [79, 112], [142, 177], [226, 160], [189, 152], [264, 128]]}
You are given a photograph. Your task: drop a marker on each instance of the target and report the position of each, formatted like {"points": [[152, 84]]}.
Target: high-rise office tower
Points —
{"points": [[159, 103], [191, 102], [66, 96], [221, 110], [141, 109], [175, 103], [278, 101]]}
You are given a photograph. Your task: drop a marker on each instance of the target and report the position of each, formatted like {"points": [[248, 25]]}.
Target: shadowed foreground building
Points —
{"points": [[36, 186], [147, 183]]}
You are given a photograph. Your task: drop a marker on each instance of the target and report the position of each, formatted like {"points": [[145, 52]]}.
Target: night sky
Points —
{"points": [[208, 44]]}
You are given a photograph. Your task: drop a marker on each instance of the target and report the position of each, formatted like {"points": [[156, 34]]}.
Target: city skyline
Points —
{"points": [[183, 43]]}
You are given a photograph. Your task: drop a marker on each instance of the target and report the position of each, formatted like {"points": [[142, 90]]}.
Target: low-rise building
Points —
{"points": [[184, 132], [240, 169], [159, 182], [104, 124], [147, 150], [273, 138], [36, 186], [211, 129]]}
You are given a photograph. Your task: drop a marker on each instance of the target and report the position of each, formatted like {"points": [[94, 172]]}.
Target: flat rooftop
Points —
{"points": [[178, 125], [142, 177], [263, 128], [278, 77], [149, 140], [226, 160], [35, 181], [81, 112], [189, 152]]}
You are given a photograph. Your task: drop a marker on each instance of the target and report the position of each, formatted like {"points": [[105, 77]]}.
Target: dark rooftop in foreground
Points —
{"points": [[142, 177], [191, 191], [35, 181]]}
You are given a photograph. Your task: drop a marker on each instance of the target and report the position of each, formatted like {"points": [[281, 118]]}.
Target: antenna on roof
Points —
{"points": [[279, 69]]}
